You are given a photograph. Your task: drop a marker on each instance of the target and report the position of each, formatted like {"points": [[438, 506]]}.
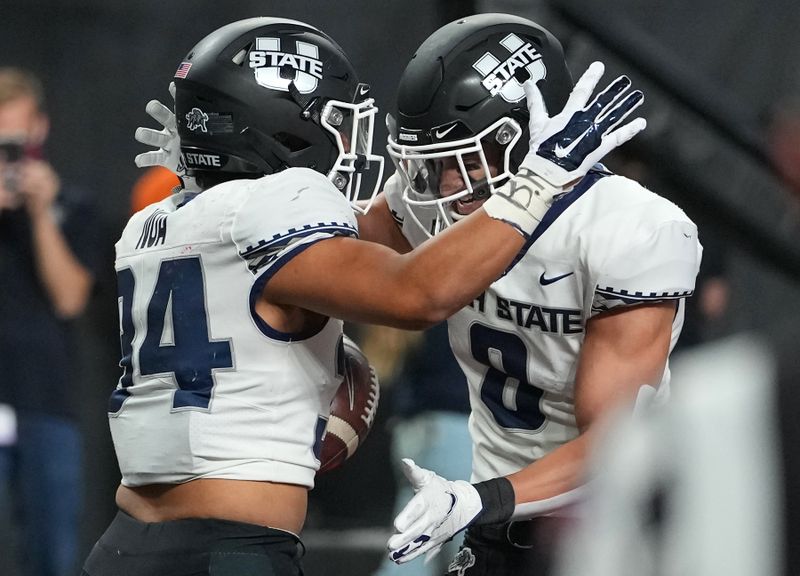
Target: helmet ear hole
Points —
{"points": [[504, 134]]}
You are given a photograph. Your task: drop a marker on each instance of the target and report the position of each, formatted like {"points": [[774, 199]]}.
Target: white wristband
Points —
{"points": [[522, 201]]}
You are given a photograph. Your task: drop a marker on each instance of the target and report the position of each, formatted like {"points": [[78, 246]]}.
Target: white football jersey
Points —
{"points": [[608, 243], [209, 390]]}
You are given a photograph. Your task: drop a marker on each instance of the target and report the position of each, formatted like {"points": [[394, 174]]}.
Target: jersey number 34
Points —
{"points": [[176, 338]]}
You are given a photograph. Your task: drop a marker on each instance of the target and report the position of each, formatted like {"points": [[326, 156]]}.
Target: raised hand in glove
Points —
{"points": [[166, 140], [439, 509], [564, 147]]}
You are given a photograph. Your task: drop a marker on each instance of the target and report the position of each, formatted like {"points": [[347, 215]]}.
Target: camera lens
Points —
{"points": [[11, 151]]}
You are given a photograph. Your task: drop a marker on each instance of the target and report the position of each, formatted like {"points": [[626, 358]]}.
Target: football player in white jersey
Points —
{"points": [[232, 291], [584, 317]]}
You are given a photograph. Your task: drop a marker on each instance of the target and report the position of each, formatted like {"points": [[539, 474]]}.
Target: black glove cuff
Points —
{"points": [[497, 498]]}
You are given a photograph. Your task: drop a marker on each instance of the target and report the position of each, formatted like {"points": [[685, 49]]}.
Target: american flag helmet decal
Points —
{"points": [[183, 70]]}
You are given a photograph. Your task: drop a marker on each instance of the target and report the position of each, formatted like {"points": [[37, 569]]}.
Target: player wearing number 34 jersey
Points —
{"points": [[193, 265]]}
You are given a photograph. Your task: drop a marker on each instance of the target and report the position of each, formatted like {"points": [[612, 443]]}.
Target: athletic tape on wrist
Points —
{"points": [[522, 201], [497, 499]]}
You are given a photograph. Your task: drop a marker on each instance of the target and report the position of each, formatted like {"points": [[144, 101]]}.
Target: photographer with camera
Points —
{"points": [[47, 261]]}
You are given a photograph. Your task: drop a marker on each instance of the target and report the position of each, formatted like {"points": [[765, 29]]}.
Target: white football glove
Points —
{"points": [[564, 147], [439, 510], [166, 140]]}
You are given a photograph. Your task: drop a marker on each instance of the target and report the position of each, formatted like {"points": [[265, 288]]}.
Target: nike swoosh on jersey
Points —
{"points": [[545, 281]]}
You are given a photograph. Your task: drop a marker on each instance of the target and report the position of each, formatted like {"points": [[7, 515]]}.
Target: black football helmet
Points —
{"points": [[261, 95], [462, 91]]}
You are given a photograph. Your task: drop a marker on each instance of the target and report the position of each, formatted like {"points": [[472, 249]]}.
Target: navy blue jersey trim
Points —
{"points": [[625, 295], [258, 286], [265, 252], [187, 197], [559, 207], [264, 248]]}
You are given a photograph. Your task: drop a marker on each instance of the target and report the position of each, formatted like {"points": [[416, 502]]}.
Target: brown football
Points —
{"points": [[352, 409]]}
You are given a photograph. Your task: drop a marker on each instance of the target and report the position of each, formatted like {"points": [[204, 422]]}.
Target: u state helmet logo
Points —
{"points": [[498, 77], [267, 60]]}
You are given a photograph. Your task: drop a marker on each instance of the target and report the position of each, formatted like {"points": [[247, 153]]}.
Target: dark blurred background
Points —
{"points": [[719, 83]]}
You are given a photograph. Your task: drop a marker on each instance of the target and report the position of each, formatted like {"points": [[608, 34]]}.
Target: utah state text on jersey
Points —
{"points": [[527, 315]]}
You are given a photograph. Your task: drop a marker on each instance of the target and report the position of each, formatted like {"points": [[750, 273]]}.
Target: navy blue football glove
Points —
{"points": [[564, 147]]}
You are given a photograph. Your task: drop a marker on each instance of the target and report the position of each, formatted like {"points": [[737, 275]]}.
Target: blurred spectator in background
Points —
{"points": [[784, 143], [48, 258], [430, 401]]}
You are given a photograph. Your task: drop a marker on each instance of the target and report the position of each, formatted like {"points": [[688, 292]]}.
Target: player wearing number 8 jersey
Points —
{"points": [[583, 318], [521, 342]]}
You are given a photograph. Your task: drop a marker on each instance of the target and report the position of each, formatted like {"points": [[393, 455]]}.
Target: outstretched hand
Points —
{"points": [[166, 141], [439, 510], [564, 147]]}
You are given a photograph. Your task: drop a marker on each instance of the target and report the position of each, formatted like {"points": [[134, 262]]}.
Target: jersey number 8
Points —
{"points": [[506, 391]]}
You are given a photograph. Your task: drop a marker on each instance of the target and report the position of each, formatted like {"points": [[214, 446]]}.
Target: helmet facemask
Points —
{"points": [[262, 95], [352, 126], [421, 169]]}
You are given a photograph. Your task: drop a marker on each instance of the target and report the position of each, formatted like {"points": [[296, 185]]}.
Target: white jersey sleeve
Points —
{"points": [[657, 258], [268, 238]]}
